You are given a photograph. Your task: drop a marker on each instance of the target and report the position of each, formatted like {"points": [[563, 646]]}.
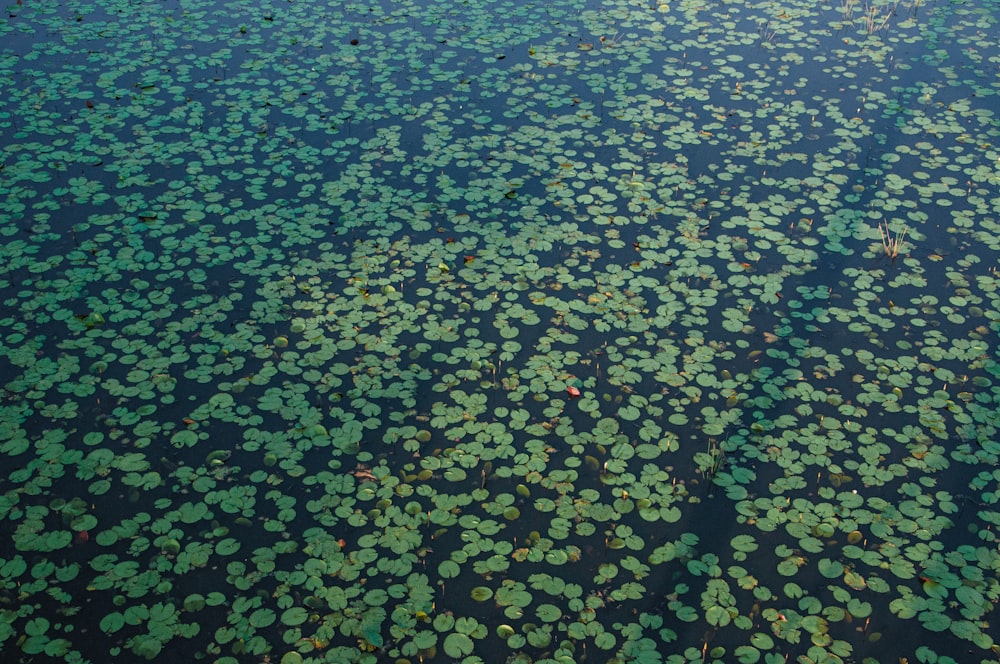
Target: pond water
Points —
{"points": [[496, 331]]}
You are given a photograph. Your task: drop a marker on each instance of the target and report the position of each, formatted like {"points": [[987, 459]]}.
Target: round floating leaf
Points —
{"points": [[194, 602], [605, 640], [717, 615], [744, 543], [449, 569], [112, 622], [262, 618], [831, 569], [935, 621], [458, 645], [146, 646], [557, 557], [548, 612], [84, 522], [747, 654], [539, 638], [455, 474], [184, 438], [294, 616], [227, 546]]}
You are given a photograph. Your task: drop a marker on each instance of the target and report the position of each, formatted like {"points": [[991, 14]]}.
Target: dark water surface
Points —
{"points": [[499, 331]]}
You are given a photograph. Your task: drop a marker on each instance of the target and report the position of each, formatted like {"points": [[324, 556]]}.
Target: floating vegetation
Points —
{"points": [[499, 332]]}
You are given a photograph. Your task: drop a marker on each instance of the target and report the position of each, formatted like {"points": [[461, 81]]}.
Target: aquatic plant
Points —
{"points": [[498, 331], [892, 243]]}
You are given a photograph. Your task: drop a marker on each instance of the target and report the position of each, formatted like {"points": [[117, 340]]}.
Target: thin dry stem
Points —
{"points": [[891, 244]]}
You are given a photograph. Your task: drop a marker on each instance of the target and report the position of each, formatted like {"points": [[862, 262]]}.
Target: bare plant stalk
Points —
{"points": [[891, 244], [874, 21]]}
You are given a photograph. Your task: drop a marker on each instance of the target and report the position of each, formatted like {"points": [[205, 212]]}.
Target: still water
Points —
{"points": [[499, 331]]}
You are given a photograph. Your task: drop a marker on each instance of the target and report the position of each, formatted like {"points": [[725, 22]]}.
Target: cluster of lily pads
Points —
{"points": [[499, 332]]}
